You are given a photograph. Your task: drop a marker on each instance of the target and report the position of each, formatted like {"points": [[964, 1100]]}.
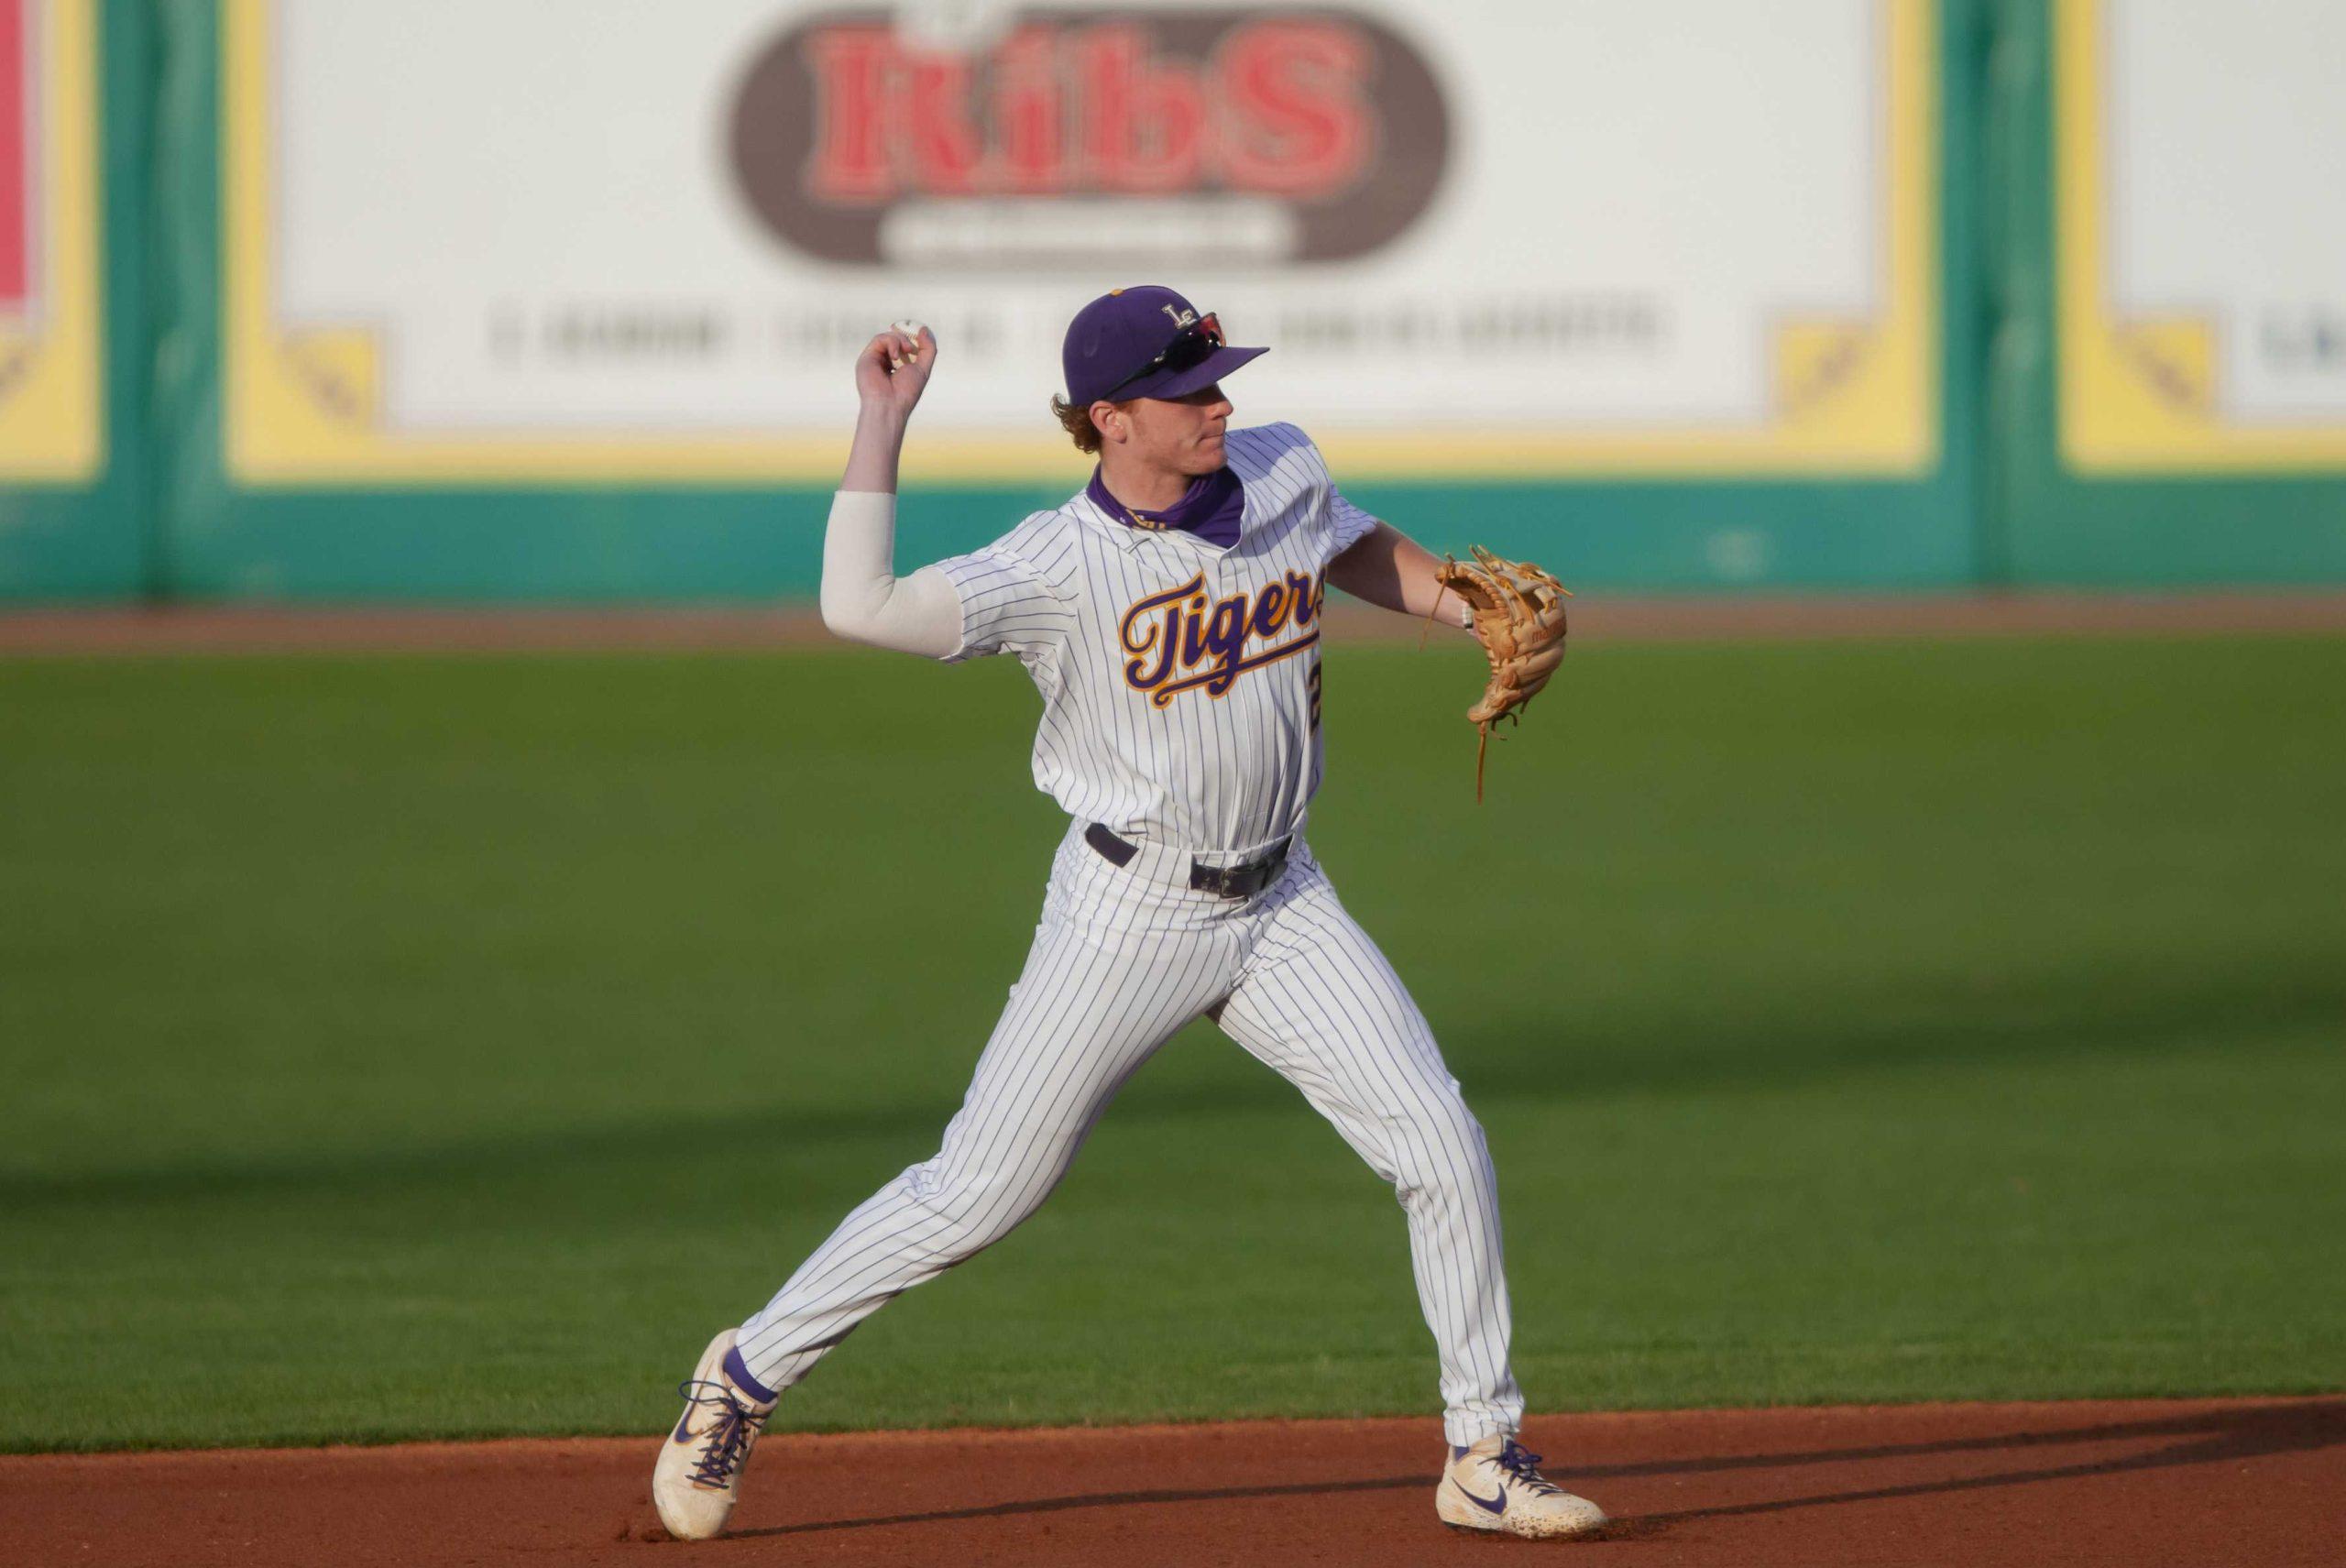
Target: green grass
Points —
{"points": [[446, 1047]]}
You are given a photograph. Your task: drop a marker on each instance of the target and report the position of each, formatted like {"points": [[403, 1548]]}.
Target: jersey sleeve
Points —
{"points": [[1347, 524], [1008, 605], [1286, 461]]}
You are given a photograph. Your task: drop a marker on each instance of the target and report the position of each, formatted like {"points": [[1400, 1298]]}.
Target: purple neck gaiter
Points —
{"points": [[1209, 508]]}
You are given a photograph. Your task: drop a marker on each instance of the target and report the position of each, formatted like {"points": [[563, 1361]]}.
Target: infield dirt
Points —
{"points": [[2140, 1483]]}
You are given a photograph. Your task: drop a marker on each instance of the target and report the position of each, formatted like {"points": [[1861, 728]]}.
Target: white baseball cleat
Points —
{"points": [[700, 1473], [1497, 1486]]}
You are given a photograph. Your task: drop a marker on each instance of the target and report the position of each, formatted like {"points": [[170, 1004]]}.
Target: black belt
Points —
{"points": [[1228, 881]]}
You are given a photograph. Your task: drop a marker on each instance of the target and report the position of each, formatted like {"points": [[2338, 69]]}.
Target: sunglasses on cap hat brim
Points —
{"points": [[1195, 359], [1191, 348]]}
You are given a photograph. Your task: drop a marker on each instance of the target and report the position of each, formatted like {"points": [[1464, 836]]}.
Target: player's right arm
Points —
{"points": [[862, 597]]}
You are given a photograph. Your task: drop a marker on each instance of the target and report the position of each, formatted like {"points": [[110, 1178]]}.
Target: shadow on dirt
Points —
{"points": [[2213, 1437]]}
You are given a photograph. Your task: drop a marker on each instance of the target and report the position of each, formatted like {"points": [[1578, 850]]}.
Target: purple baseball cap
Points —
{"points": [[1144, 343]]}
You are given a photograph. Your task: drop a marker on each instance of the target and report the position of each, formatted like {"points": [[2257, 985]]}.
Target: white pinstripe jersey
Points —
{"points": [[1180, 683]]}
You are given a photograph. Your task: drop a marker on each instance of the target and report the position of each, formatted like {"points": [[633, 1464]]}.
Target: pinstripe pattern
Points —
{"points": [[1208, 773], [1318, 1004], [1126, 956]]}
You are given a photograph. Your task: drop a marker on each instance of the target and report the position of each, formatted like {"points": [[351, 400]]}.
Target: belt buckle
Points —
{"points": [[1220, 881], [1273, 863], [1240, 881]]}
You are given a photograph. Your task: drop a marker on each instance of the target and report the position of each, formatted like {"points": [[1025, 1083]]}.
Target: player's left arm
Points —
{"points": [[1390, 569], [862, 598]]}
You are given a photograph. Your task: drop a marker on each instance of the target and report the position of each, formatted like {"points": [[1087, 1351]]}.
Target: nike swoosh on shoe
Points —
{"points": [[1488, 1505]]}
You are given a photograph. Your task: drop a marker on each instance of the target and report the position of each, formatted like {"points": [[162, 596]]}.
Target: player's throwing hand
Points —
{"points": [[893, 370]]}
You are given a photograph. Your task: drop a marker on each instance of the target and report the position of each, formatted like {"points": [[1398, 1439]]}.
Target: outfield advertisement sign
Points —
{"points": [[464, 244], [50, 429], [2201, 239]]}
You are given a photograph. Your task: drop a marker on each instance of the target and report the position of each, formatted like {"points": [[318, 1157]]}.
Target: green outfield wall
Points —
{"points": [[324, 368]]}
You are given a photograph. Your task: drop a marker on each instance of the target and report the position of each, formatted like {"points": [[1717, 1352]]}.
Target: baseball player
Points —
{"points": [[1169, 612]]}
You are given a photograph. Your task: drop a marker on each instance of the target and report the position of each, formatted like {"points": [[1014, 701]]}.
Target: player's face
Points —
{"points": [[1181, 433]]}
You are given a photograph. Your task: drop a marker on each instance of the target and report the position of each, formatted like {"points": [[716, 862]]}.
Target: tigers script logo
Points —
{"points": [[1262, 134], [1178, 644]]}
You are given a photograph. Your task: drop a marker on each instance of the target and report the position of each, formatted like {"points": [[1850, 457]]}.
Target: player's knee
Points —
{"points": [[1439, 1114], [979, 1205], [1445, 1151]]}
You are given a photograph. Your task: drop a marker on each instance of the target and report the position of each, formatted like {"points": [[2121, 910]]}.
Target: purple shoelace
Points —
{"points": [[727, 1442], [1524, 1466]]}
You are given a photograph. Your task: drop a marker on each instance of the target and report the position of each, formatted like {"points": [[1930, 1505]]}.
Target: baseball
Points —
{"points": [[911, 329]]}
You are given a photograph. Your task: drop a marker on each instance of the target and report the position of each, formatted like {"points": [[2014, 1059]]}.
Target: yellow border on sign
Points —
{"points": [[52, 429], [2138, 394], [1849, 396]]}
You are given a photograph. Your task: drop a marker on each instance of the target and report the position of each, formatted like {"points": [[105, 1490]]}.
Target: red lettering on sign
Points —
{"points": [[1144, 122], [853, 104], [945, 148], [1029, 107], [1097, 107], [1299, 123], [16, 141]]}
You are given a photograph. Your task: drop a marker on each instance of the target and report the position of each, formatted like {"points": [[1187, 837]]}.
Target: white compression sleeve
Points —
{"points": [[864, 599]]}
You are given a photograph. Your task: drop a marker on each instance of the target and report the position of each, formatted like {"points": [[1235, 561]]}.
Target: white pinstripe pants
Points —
{"points": [[1123, 958]]}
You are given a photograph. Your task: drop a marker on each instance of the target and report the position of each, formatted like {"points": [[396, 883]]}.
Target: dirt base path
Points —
{"points": [[2198, 1483]]}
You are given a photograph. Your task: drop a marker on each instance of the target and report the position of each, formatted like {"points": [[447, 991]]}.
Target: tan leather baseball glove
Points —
{"points": [[1519, 617]]}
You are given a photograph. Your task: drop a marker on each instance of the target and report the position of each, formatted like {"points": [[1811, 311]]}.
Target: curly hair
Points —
{"points": [[1075, 419]]}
